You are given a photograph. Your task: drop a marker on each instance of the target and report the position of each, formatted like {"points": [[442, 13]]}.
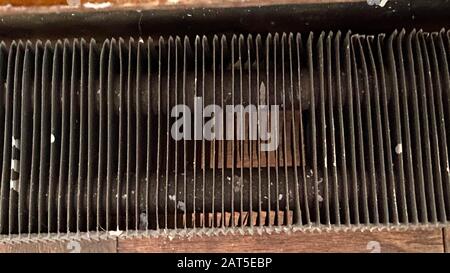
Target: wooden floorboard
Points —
{"points": [[377, 241], [446, 239], [47, 6], [84, 246], [156, 2], [384, 241]]}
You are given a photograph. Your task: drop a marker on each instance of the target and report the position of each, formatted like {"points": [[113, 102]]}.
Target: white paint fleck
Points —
{"points": [[228, 178], [399, 149], [141, 40], [380, 3], [189, 15], [102, 5], [374, 247], [14, 185], [143, 220], [262, 93], [319, 198], [181, 206], [16, 143], [383, 3], [15, 165], [115, 232], [73, 3], [280, 196], [237, 187], [172, 197], [52, 138], [74, 246]]}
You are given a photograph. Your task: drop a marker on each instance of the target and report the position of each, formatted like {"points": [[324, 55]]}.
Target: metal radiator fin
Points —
{"points": [[87, 147]]}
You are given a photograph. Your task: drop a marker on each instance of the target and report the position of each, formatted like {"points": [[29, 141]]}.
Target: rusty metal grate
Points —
{"points": [[364, 124]]}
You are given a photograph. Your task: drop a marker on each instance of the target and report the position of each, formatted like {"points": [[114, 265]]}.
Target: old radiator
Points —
{"points": [[88, 149]]}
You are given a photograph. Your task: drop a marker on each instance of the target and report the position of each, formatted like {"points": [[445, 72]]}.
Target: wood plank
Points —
{"points": [[446, 239], [383, 241], [50, 6], [84, 246], [149, 2]]}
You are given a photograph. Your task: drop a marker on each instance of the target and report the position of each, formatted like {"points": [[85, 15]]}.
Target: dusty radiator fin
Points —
{"points": [[86, 126]]}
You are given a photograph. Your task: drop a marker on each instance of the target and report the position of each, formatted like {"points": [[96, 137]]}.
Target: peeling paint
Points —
{"points": [[15, 165], [115, 232], [319, 198], [181, 206], [102, 5], [15, 143], [14, 185], [383, 3], [399, 149], [74, 3]]}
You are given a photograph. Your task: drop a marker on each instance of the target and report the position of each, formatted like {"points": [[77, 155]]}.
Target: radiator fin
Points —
{"points": [[88, 146]]}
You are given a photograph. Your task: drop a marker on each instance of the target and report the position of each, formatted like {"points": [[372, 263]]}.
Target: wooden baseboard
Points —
{"points": [[431, 240], [383, 241]]}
